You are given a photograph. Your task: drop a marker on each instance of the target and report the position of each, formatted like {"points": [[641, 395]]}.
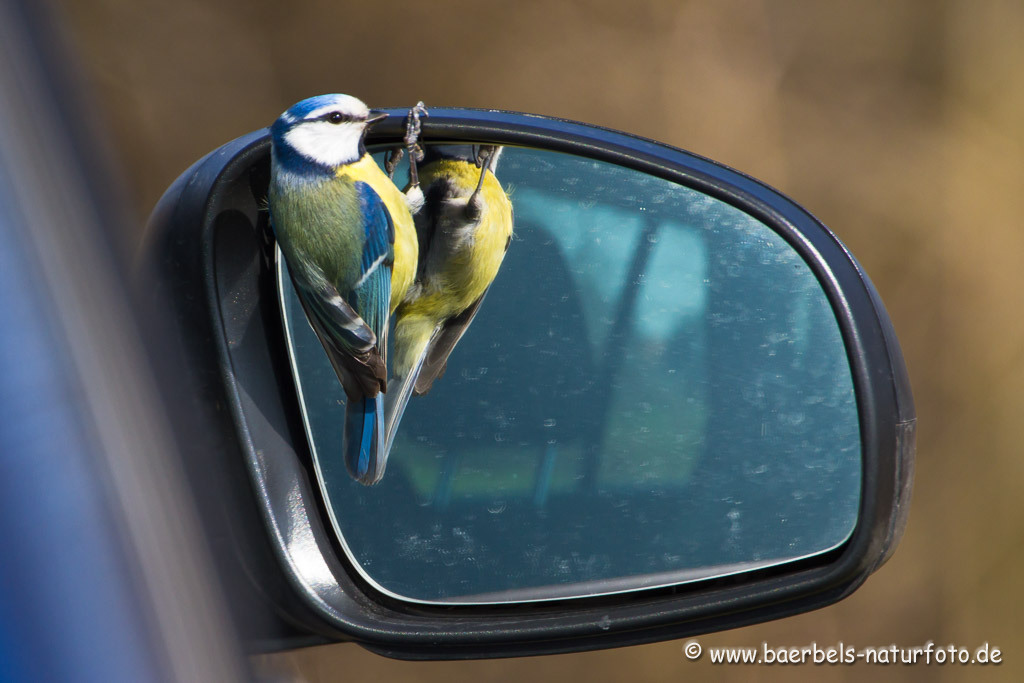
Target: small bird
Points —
{"points": [[335, 216], [464, 230]]}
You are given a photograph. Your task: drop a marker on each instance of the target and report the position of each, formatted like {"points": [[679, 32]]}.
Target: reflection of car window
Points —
{"points": [[598, 242], [647, 358]]}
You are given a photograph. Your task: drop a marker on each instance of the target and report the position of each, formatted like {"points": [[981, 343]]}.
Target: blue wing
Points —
{"points": [[365, 454], [371, 296]]}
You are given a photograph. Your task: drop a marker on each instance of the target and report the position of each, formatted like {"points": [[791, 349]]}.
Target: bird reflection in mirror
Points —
{"points": [[464, 230]]}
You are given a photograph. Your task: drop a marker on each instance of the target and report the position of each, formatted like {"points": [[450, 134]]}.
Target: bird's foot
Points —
{"points": [[474, 206], [394, 156], [413, 128]]}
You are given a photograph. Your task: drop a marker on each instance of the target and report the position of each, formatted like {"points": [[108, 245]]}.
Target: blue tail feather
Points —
{"points": [[365, 455]]}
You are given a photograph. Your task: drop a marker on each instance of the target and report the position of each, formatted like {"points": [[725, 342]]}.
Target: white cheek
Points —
{"points": [[326, 143]]}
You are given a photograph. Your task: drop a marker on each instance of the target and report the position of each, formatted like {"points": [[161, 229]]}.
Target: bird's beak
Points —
{"points": [[376, 116]]}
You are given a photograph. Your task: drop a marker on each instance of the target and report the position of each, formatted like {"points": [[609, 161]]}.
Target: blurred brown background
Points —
{"points": [[900, 124]]}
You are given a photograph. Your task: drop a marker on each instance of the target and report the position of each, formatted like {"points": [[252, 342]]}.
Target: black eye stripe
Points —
{"points": [[339, 117]]}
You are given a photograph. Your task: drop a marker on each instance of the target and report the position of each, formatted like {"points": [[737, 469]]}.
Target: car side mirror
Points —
{"points": [[680, 408]]}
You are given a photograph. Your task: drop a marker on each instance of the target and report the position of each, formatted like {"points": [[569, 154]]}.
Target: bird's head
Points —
{"points": [[326, 130]]}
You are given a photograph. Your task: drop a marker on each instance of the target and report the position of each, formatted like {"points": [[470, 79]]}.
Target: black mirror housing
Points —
{"points": [[291, 581]]}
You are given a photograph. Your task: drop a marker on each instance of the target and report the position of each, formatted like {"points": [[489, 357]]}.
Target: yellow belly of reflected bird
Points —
{"points": [[466, 274]]}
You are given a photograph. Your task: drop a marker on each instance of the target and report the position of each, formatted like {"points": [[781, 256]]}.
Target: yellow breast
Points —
{"points": [[474, 262], [406, 246]]}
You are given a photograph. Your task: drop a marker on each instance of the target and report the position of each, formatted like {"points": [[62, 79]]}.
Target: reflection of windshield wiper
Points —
{"points": [[615, 353]]}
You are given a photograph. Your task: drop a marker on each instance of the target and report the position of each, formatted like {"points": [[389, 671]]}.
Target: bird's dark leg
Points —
{"points": [[414, 195], [394, 156], [474, 206], [413, 128]]}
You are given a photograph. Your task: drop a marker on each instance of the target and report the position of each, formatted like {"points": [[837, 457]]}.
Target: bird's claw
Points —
{"points": [[483, 153], [413, 128], [394, 156], [474, 206]]}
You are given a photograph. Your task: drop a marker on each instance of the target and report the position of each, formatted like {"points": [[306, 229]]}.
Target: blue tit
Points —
{"points": [[334, 214], [464, 230]]}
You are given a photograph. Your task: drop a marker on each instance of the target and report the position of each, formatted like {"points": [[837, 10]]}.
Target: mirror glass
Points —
{"points": [[654, 391]]}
